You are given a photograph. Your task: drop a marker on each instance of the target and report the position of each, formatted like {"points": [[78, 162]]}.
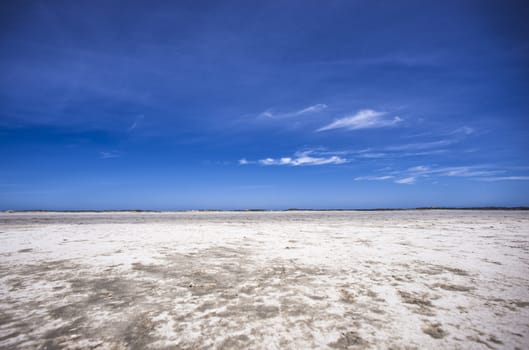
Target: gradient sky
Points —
{"points": [[263, 104]]}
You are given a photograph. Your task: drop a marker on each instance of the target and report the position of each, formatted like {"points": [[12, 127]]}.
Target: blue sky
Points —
{"points": [[270, 104]]}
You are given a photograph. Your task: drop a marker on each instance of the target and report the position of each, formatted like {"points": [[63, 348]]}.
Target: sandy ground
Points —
{"points": [[275, 280]]}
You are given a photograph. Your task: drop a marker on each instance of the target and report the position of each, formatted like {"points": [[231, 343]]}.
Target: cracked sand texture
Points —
{"points": [[432, 279]]}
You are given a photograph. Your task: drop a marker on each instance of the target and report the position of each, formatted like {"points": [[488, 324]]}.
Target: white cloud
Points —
{"points": [[266, 114], [243, 161], [108, 155], [372, 155], [506, 178], [312, 109], [134, 125], [460, 171], [308, 110], [303, 158], [423, 153], [364, 119], [468, 172], [376, 154], [466, 130], [420, 145], [406, 181], [461, 132], [367, 153], [374, 178], [397, 59], [425, 148], [269, 161], [419, 168], [413, 174]]}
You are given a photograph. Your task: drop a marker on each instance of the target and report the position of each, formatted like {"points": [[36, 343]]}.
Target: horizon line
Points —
{"points": [[258, 209]]}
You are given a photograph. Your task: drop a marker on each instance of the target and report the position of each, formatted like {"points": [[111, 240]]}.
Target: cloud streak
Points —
{"points": [[459, 171], [505, 178], [304, 160], [109, 155], [317, 108], [374, 178], [406, 181], [478, 172], [299, 159], [364, 119], [421, 145], [321, 156], [134, 124]]}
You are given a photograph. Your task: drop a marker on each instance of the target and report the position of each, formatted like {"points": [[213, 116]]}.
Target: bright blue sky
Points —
{"points": [[263, 104]]}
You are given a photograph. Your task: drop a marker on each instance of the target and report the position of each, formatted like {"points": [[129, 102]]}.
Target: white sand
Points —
{"points": [[275, 280]]}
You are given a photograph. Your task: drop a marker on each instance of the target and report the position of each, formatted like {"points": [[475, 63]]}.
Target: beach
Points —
{"points": [[405, 279]]}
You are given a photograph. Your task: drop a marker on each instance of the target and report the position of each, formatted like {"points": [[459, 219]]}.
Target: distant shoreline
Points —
{"points": [[251, 210]]}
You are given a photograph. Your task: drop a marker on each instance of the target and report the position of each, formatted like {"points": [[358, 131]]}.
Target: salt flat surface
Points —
{"points": [[435, 279]]}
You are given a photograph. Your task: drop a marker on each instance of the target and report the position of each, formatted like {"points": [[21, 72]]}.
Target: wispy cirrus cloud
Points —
{"points": [[312, 109], [374, 178], [460, 131], [392, 59], [391, 155], [299, 159], [322, 155], [136, 122], [364, 119], [421, 145], [432, 147], [406, 181], [317, 108], [413, 174], [460, 171], [307, 160], [424, 153], [109, 155], [372, 155], [465, 130], [505, 178]]}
